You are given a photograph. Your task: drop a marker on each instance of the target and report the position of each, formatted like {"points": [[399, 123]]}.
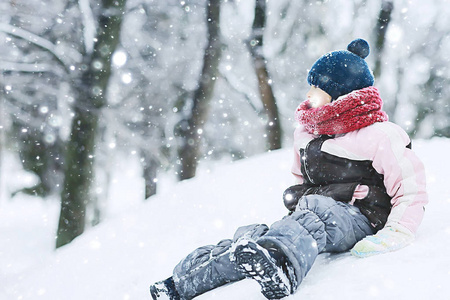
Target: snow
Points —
{"points": [[140, 242]]}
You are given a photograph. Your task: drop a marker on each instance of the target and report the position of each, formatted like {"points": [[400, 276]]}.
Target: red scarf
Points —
{"points": [[353, 111]]}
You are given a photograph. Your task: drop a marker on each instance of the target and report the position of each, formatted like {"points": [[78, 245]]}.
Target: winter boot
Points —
{"points": [[267, 266], [164, 290]]}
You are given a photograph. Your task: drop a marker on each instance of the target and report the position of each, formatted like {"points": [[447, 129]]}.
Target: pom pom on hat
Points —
{"points": [[359, 47], [341, 72]]}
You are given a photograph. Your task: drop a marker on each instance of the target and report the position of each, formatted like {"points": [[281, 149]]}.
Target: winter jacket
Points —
{"points": [[372, 168]]}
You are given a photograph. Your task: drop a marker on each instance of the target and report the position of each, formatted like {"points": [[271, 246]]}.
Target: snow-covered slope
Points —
{"points": [[121, 257]]}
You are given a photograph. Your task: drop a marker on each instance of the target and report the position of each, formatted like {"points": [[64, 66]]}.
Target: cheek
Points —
{"points": [[318, 101]]}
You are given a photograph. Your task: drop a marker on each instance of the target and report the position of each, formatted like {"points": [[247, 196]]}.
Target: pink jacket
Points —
{"points": [[385, 145]]}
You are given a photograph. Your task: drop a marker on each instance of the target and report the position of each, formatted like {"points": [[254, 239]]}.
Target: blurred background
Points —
{"points": [[176, 85]]}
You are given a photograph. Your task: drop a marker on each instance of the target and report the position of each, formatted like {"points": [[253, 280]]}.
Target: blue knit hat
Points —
{"points": [[340, 72]]}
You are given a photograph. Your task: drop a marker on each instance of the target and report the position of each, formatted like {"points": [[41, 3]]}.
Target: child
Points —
{"points": [[359, 187]]}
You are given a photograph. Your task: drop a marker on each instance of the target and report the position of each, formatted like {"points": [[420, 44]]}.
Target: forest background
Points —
{"points": [[176, 85]]}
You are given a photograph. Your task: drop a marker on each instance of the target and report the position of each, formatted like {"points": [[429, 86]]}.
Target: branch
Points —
{"points": [[287, 26], [89, 30], [125, 133], [234, 85], [20, 113], [41, 43], [7, 66]]}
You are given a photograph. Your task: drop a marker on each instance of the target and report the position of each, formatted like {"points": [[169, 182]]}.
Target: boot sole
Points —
{"points": [[255, 262], [159, 291], [154, 292]]}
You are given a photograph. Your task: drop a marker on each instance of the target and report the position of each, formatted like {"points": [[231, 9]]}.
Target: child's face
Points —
{"points": [[317, 97]]}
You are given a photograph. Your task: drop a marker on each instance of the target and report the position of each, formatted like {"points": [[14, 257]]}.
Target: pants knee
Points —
{"points": [[312, 224], [342, 221]]}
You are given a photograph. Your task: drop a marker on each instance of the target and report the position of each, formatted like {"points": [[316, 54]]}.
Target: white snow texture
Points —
{"points": [[140, 242]]}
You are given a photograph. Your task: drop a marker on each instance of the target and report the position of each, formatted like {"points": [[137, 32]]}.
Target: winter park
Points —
{"points": [[224, 149]]}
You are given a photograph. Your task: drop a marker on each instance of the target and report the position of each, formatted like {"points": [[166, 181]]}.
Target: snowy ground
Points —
{"points": [[141, 242]]}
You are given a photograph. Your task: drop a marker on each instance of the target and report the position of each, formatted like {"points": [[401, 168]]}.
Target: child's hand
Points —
{"points": [[390, 238]]}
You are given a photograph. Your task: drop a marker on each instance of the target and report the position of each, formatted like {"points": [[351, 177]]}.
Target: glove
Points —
{"points": [[292, 195], [390, 238]]}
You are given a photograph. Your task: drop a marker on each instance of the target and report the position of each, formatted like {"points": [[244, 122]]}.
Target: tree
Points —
{"points": [[255, 45], [191, 128], [90, 99], [381, 28], [151, 88], [29, 62]]}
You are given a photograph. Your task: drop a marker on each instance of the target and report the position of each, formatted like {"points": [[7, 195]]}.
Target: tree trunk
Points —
{"points": [[384, 18], [190, 129], [255, 45], [91, 97], [424, 108], [150, 172]]}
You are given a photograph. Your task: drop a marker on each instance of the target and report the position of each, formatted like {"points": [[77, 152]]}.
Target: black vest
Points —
{"points": [[337, 177]]}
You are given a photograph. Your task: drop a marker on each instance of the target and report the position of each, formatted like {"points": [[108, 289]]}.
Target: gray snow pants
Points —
{"points": [[319, 224]]}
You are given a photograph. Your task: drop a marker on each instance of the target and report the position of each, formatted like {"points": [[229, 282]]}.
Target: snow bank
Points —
{"points": [[139, 245]]}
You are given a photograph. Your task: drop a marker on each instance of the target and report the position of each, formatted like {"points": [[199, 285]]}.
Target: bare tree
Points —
{"points": [[384, 18], [190, 129], [255, 45], [90, 99]]}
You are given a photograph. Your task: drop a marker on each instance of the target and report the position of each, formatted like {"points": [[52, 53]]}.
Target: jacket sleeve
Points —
{"points": [[404, 177]]}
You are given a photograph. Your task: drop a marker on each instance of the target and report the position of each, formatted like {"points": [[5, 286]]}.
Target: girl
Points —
{"points": [[359, 187]]}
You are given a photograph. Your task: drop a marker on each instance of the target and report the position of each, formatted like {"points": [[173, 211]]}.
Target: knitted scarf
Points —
{"points": [[350, 112]]}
